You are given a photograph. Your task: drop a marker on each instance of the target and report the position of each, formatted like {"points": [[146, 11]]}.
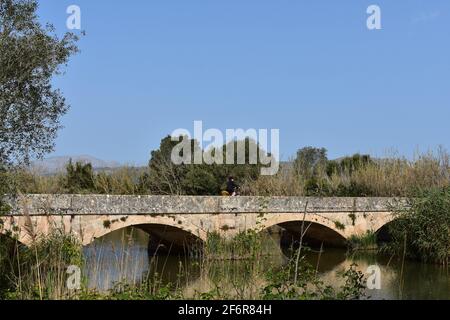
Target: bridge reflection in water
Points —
{"points": [[124, 254]]}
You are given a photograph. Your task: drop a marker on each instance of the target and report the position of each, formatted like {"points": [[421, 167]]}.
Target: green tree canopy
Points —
{"points": [[164, 177], [79, 178], [30, 55]]}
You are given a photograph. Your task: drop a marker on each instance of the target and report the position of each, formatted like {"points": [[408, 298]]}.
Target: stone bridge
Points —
{"points": [[178, 219]]}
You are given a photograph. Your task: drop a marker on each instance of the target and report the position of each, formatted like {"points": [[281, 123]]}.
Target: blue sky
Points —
{"points": [[309, 68]]}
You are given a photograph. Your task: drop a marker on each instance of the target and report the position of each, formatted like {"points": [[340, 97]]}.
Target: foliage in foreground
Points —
{"points": [[284, 285], [39, 272], [422, 230]]}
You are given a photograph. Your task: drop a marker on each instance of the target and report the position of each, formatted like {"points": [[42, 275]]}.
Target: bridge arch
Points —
{"points": [[11, 228], [168, 230], [321, 229], [6, 235], [382, 232], [383, 223]]}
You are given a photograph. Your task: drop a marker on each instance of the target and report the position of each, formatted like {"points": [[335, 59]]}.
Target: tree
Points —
{"points": [[30, 56], [79, 178], [310, 165], [5, 186], [164, 176], [310, 161], [201, 180]]}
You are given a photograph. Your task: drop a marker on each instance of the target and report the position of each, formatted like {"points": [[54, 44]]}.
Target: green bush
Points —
{"points": [[422, 231], [302, 283]]}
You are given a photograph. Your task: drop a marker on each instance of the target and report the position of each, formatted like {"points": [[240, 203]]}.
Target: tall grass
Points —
{"points": [[388, 177], [401, 177], [39, 272], [422, 229], [121, 181], [364, 242], [125, 180], [285, 183]]}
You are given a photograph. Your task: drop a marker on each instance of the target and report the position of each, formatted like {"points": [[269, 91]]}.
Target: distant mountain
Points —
{"points": [[55, 165]]}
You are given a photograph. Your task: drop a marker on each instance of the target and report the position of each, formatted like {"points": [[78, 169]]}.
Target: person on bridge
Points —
{"points": [[232, 187]]}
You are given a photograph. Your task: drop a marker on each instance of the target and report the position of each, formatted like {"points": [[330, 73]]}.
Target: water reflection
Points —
{"points": [[123, 255], [115, 257]]}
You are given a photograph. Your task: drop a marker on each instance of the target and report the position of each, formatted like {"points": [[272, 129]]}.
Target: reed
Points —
{"points": [[119, 271], [364, 242], [392, 176]]}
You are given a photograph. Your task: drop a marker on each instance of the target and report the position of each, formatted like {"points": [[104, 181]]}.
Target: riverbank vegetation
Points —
{"points": [[40, 272], [311, 173], [364, 242], [422, 229]]}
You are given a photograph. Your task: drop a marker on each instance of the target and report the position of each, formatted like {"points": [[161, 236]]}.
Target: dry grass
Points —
{"points": [[390, 176], [399, 177], [286, 182], [121, 181]]}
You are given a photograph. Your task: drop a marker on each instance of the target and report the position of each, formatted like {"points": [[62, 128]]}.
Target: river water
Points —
{"points": [[123, 255]]}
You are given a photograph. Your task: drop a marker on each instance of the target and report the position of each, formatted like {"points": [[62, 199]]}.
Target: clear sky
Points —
{"points": [[309, 68]]}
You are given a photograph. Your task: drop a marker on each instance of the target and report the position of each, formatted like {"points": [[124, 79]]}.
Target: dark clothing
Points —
{"points": [[231, 187]]}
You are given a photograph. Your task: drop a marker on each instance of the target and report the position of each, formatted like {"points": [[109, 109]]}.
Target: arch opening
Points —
{"points": [[9, 247], [383, 235], [169, 240], [7, 236], [159, 239], [315, 235], [138, 251]]}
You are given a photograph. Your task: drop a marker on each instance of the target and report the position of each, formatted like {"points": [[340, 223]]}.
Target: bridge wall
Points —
{"points": [[92, 216]]}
